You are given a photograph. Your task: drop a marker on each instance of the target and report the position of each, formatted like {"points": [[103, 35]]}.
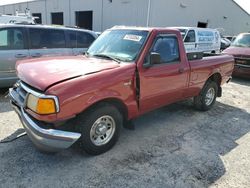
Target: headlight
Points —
{"points": [[41, 105]]}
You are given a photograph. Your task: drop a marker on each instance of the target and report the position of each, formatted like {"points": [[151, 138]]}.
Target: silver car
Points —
{"points": [[31, 41]]}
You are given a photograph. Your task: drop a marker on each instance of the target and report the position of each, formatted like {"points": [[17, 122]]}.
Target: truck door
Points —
{"points": [[13, 47], [190, 42], [163, 83]]}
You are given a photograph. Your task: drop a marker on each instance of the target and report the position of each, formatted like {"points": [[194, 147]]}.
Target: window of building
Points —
{"points": [[57, 18], [38, 17], [202, 24], [84, 19]]}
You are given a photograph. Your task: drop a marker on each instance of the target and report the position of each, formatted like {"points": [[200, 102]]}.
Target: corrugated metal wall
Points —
{"points": [[107, 13]]}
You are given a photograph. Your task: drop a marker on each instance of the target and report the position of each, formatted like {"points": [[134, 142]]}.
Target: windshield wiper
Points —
{"points": [[107, 56], [86, 53]]}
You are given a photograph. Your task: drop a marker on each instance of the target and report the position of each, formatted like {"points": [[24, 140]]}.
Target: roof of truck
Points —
{"points": [[143, 28]]}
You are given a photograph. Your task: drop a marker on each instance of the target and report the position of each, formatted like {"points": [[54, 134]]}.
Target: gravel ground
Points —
{"points": [[175, 146]]}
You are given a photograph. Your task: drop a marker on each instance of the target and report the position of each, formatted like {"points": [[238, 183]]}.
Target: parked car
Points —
{"points": [[230, 38], [200, 39], [32, 41], [240, 49], [98, 33], [225, 43], [126, 72]]}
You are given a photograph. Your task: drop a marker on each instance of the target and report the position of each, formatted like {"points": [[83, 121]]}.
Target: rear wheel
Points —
{"points": [[100, 128], [206, 99]]}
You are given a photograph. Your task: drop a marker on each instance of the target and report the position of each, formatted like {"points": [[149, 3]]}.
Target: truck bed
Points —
{"points": [[201, 69]]}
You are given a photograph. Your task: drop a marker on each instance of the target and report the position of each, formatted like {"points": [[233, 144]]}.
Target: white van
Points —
{"points": [[17, 18], [200, 39]]}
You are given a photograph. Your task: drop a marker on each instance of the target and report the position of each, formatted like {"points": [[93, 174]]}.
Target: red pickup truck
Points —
{"points": [[240, 49], [127, 72]]}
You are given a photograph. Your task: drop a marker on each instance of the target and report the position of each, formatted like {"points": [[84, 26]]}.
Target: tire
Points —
{"points": [[206, 99], [103, 119]]}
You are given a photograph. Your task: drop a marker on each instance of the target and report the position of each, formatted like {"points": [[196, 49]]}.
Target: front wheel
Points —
{"points": [[206, 99], [100, 128]]}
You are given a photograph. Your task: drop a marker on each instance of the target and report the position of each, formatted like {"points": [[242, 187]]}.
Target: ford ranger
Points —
{"points": [[126, 72]]}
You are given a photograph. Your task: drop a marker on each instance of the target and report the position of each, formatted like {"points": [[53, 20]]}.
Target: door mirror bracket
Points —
{"points": [[154, 58]]}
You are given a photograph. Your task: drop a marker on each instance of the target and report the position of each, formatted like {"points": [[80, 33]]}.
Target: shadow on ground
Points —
{"points": [[241, 81], [174, 146], [4, 101], [14, 136], [3, 91]]}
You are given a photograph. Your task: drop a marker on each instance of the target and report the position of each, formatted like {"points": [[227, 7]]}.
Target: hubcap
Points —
{"points": [[209, 98], [102, 130]]}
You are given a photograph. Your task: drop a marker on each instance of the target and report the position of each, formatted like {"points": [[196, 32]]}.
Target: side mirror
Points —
{"points": [[154, 58]]}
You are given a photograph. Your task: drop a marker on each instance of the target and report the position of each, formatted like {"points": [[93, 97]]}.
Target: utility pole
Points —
{"points": [[70, 13], [148, 15], [102, 17]]}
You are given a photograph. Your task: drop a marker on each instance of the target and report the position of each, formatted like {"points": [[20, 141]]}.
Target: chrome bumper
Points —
{"points": [[49, 140]]}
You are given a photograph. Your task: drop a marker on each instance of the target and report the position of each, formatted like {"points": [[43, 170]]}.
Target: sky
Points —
{"points": [[245, 4], [4, 2]]}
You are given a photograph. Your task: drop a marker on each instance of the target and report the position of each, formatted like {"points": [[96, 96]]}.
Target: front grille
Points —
{"points": [[242, 60], [19, 94]]}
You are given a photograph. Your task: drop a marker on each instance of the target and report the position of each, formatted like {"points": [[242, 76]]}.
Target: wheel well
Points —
{"points": [[217, 79], [115, 102]]}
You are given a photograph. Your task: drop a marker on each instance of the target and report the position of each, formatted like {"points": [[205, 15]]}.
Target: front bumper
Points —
{"points": [[49, 140], [242, 71]]}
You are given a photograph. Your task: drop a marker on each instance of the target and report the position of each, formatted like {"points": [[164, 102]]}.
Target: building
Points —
{"points": [[99, 15]]}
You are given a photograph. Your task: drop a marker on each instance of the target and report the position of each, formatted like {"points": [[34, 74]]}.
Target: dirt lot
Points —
{"points": [[175, 146]]}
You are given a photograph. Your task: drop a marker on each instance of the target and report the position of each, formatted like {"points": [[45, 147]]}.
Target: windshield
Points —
{"points": [[123, 45], [242, 40]]}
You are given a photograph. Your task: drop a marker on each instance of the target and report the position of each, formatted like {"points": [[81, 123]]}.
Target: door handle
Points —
{"points": [[181, 70], [20, 55], [36, 55]]}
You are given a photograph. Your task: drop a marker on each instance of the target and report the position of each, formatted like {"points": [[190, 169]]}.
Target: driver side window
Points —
{"points": [[167, 47], [190, 36]]}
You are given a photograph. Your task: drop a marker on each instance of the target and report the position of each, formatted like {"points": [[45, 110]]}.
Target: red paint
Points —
{"points": [[244, 54], [57, 69], [159, 85]]}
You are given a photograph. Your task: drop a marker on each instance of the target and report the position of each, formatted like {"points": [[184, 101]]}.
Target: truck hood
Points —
{"points": [[43, 72], [238, 51]]}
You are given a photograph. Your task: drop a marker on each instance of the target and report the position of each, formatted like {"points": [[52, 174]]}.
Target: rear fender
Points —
{"points": [[217, 78]]}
